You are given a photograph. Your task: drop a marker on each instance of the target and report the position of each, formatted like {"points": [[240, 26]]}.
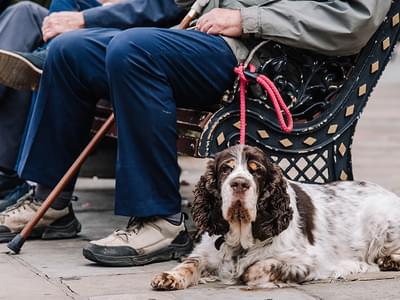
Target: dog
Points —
{"points": [[265, 231]]}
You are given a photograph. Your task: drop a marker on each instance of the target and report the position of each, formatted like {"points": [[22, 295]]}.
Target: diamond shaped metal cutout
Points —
{"points": [[395, 19], [349, 110], [343, 176], [342, 149], [286, 143], [220, 139], [332, 129], [302, 163], [263, 134], [284, 164], [375, 67], [292, 173], [320, 163], [362, 90], [237, 125], [310, 141], [386, 43], [310, 173]]}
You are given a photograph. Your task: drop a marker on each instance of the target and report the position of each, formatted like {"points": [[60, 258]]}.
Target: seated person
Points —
{"points": [[20, 68], [147, 72], [25, 19]]}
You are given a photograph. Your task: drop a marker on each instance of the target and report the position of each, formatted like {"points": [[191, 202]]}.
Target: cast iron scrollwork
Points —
{"points": [[307, 82]]}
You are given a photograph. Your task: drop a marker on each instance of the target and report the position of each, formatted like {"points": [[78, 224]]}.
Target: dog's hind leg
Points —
{"points": [[388, 258], [389, 263]]}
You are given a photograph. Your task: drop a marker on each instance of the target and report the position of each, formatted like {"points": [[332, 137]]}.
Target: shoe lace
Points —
{"points": [[133, 227], [22, 204]]}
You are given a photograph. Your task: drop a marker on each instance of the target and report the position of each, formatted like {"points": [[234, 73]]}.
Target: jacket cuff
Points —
{"points": [[251, 24], [91, 17]]}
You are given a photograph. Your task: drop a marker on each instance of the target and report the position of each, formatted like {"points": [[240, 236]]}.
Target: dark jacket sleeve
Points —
{"points": [[134, 13]]}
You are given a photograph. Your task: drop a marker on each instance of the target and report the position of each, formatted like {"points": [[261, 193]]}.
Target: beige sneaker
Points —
{"points": [[55, 224], [143, 242]]}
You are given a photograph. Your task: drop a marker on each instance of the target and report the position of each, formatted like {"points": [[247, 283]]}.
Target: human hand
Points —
{"points": [[109, 2], [222, 21], [60, 22]]}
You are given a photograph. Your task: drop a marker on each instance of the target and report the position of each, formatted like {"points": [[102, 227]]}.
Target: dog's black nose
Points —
{"points": [[240, 184]]}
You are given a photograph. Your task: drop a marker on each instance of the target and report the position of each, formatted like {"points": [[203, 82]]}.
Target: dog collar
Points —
{"points": [[219, 242]]}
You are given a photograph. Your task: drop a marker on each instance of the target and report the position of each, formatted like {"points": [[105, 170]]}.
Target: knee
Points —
{"points": [[70, 47], [24, 6], [132, 49], [26, 9]]}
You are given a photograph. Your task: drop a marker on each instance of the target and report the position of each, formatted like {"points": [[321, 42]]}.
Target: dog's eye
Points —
{"points": [[255, 168], [252, 166], [225, 168]]}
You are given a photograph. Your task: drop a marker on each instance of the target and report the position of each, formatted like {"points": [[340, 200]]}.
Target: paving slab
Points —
{"points": [[20, 282], [138, 285], [356, 290]]}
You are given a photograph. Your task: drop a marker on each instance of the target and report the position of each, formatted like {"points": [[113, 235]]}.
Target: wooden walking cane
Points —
{"points": [[18, 241], [194, 11]]}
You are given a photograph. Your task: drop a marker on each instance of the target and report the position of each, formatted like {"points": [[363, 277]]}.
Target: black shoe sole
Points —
{"points": [[51, 232], [174, 251], [17, 72]]}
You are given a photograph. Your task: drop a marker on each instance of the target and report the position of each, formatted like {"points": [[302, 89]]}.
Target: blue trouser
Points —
{"points": [[146, 72], [20, 30]]}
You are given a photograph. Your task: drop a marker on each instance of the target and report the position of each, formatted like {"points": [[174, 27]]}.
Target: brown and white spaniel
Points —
{"points": [[266, 231]]}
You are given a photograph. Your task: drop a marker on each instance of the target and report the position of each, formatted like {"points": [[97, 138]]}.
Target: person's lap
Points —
{"points": [[166, 67], [162, 69]]}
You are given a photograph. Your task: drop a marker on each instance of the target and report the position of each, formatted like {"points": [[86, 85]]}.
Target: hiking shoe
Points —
{"points": [[55, 224], [19, 193], [22, 70], [144, 241], [8, 181]]}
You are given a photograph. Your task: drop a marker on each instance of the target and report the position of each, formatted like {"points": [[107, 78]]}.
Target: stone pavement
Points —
{"points": [[57, 270]]}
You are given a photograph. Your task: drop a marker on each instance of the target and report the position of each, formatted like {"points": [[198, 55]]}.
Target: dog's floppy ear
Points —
{"points": [[207, 204], [273, 206]]}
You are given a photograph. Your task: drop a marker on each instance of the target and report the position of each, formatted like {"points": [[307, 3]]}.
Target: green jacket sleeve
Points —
{"points": [[330, 27]]}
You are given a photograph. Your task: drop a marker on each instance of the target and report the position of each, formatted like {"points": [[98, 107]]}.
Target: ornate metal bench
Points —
{"points": [[326, 96]]}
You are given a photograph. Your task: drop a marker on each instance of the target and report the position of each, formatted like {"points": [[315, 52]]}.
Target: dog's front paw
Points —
{"points": [[166, 282]]}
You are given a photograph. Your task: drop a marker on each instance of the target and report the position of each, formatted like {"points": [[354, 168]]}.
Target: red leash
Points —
{"points": [[273, 94]]}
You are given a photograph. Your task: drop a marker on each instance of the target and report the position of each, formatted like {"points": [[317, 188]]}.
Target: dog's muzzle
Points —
{"points": [[240, 185]]}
